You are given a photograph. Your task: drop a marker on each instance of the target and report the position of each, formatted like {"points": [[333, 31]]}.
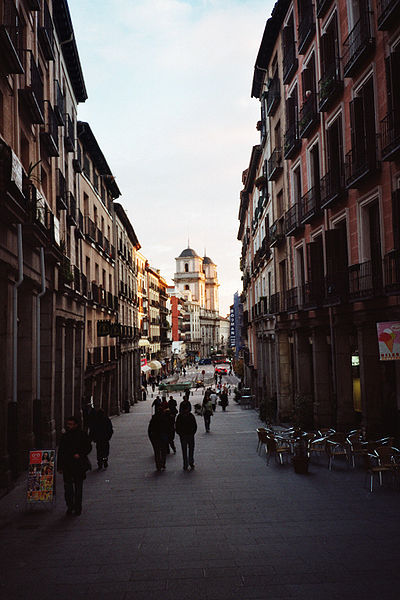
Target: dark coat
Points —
{"points": [[101, 429], [72, 442], [159, 427], [186, 424]]}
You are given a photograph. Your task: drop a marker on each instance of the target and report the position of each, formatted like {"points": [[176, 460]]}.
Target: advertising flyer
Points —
{"points": [[389, 340], [41, 476]]}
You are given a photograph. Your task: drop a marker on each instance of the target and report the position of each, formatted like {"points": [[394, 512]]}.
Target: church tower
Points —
{"points": [[212, 285], [189, 277]]}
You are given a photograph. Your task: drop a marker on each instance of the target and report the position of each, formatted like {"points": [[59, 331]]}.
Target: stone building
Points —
{"points": [[325, 76], [41, 332]]}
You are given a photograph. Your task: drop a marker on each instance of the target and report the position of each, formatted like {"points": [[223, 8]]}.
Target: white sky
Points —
{"points": [[169, 85]]}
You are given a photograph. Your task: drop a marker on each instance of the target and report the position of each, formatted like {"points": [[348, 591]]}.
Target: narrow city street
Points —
{"points": [[232, 529]]}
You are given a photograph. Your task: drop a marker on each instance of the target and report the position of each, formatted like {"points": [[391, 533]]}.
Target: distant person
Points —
{"points": [[214, 400], [73, 462], [186, 428], [144, 393], [100, 433], [224, 399], [156, 403], [172, 405], [158, 432], [185, 404], [207, 410]]}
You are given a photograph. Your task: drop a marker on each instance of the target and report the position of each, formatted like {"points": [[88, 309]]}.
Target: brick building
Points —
{"points": [[325, 76]]}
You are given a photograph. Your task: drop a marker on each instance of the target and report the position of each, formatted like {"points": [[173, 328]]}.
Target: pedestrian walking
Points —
{"points": [[224, 399], [214, 400], [156, 403], [100, 433], [185, 404], [207, 410], [158, 432], [172, 405], [144, 393], [171, 431], [186, 428], [73, 462]]}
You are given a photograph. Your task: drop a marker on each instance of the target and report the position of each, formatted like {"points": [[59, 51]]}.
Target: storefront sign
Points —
{"points": [[389, 340], [41, 476]]}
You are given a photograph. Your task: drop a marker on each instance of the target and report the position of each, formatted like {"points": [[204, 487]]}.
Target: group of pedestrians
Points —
{"points": [[163, 425]]}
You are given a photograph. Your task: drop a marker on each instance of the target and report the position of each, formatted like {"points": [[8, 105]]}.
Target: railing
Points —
{"points": [[106, 245], [289, 63], [46, 33], [99, 238], [306, 30], [292, 140], [50, 131], [90, 229], [332, 187], [273, 95], [310, 204], [357, 44], [274, 164], [308, 116], [31, 91], [274, 304], [61, 190], [388, 13], [390, 132], [292, 219], [59, 103], [361, 163], [391, 267], [276, 232], [77, 279], [71, 214], [69, 138], [12, 39], [336, 287], [365, 280], [292, 300], [329, 86]]}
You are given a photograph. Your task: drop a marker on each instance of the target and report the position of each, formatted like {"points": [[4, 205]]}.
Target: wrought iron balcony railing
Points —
{"points": [[289, 63], [310, 204], [360, 164], [332, 187], [365, 280], [292, 141], [11, 35], [293, 219], [306, 30], [274, 165], [273, 95], [308, 116], [388, 14], [390, 132], [330, 86], [358, 44]]}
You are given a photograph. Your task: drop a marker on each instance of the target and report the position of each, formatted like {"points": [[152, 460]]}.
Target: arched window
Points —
{"points": [[186, 267], [187, 287]]}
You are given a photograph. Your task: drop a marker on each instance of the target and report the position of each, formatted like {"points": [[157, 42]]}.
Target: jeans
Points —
{"points": [[187, 443], [73, 487], [103, 450], [207, 421]]}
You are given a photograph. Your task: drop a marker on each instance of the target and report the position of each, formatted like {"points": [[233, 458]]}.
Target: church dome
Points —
{"points": [[188, 253], [207, 261]]}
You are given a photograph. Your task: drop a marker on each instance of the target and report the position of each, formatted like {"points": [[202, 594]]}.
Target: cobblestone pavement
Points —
{"points": [[232, 529]]}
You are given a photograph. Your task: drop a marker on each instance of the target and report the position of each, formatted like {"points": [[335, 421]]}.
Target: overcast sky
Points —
{"points": [[169, 84]]}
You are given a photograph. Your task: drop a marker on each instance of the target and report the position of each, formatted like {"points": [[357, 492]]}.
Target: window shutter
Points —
{"points": [[369, 121], [396, 218], [357, 129]]}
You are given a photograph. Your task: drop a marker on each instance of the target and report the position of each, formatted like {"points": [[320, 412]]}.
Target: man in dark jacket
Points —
{"points": [[72, 462], [158, 432], [100, 433], [186, 427]]}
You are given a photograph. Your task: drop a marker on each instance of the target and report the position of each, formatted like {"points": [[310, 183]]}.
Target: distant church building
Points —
{"points": [[196, 278]]}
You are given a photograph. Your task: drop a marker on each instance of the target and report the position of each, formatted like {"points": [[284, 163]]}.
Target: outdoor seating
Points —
{"points": [[373, 467], [317, 446], [262, 437], [278, 447], [337, 445], [357, 448]]}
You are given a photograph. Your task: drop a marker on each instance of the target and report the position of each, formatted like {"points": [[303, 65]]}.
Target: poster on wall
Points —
{"points": [[389, 340], [41, 476]]}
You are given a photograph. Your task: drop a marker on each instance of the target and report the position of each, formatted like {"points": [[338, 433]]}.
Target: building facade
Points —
{"points": [[325, 77]]}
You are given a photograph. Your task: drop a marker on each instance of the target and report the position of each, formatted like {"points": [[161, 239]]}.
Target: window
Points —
{"points": [[186, 268], [361, 160]]}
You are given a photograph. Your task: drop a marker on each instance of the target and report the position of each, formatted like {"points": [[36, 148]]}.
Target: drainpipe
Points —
{"points": [[42, 292], [15, 313]]}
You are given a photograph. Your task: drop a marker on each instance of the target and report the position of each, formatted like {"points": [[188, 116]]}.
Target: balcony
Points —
{"points": [[358, 45], [274, 165], [69, 135], [277, 233], [391, 266], [59, 103], [46, 34], [289, 63], [71, 210], [390, 132], [360, 165], [99, 239], [106, 246], [61, 191], [310, 205], [49, 133], [332, 188], [33, 5], [30, 93], [275, 304], [11, 31], [306, 31], [292, 300], [336, 288], [308, 117], [388, 14], [365, 280], [41, 221], [90, 229], [312, 294], [273, 96], [330, 87], [84, 285], [293, 220], [292, 141], [322, 7], [77, 279]]}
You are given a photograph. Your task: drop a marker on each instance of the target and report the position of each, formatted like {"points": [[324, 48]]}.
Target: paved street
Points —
{"points": [[232, 529]]}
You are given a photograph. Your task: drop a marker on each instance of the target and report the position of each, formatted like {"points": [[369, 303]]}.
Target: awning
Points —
{"points": [[143, 342], [145, 369], [155, 364]]}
